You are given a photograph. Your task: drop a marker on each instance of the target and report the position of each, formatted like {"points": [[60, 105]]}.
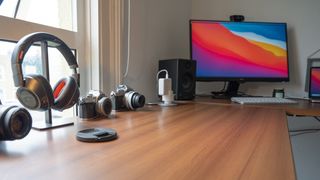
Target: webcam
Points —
{"points": [[237, 18]]}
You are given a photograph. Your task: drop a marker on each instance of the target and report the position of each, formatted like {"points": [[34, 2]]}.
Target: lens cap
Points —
{"points": [[97, 135]]}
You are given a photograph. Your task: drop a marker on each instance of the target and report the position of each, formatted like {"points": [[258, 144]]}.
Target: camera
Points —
{"points": [[15, 122], [125, 98], [96, 103]]}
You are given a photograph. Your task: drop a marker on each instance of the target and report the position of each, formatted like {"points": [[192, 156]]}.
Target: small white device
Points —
{"points": [[165, 89]]}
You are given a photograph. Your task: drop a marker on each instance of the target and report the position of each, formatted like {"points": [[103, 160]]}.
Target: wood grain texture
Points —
{"points": [[191, 141], [302, 108]]}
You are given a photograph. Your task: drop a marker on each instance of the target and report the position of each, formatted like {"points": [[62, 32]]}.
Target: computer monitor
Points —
{"points": [[314, 84], [239, 51], [311, 62]]}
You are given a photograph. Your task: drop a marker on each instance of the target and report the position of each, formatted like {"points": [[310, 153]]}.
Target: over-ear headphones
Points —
{"points": [[34, 91]]}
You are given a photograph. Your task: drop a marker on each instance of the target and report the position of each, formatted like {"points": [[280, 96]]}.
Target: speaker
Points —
{"points": [[183, 75]]}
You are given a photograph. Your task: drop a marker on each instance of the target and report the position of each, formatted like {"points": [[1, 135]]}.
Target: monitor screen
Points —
{"points": [[239, 51], [314, 90]]}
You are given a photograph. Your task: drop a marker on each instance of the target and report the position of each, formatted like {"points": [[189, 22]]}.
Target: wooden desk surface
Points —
{"points": [[302, 108], [191, 141]]}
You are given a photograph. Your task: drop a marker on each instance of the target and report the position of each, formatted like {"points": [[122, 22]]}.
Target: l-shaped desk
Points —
{"points": [[197, 140]]}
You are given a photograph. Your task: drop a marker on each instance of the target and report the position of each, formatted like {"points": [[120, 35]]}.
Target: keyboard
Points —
{"points": [[262, 100]]}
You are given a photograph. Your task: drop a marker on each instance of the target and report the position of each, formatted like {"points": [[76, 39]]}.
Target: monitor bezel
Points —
{"points": [[309, 91], [241, 79]]}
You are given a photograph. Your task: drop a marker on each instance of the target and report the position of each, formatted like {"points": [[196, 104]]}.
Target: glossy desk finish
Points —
{"points": [[302, 108], [190, 141]]}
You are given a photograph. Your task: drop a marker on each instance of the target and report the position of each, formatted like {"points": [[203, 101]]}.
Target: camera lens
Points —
{"points": [[134, 100], [138, 100], [17, 123], [104, 106]]}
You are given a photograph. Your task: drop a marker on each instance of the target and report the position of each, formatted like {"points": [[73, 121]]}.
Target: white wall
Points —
{"points": [[303, 34], [159, 30]]}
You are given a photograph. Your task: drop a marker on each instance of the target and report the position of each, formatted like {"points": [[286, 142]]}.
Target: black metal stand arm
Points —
{"points": [[48, 123]]}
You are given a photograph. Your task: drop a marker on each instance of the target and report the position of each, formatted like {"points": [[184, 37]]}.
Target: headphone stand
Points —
{"points": [[48, 123]]}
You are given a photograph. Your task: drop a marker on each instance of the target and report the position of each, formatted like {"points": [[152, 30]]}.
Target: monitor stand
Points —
{"points": [[231, 91]]}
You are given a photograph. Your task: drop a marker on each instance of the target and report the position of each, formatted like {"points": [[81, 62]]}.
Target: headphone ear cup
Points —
{"points": [[65, 93], [36, 94]]}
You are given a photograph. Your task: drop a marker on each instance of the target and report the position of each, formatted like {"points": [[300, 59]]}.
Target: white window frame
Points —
{"points": [[2, 92], [98, 41], [1, 72], [14, 29]]}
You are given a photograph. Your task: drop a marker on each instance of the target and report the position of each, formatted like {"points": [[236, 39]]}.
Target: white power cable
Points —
{"points": [[128, 41], [163, 70]]}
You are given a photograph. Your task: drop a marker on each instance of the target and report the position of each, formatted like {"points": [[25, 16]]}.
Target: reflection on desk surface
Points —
{"points": [[303, 107], [189, 141]]}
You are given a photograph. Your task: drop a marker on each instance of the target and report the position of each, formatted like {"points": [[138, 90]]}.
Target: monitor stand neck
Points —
{"points": [[231, 91]]}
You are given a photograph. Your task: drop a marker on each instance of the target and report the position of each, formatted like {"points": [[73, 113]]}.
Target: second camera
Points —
{"points": [[96, 103], [125, 98]]}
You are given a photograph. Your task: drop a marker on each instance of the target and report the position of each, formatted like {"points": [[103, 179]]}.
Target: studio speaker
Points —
{"points": [[183, 75]]}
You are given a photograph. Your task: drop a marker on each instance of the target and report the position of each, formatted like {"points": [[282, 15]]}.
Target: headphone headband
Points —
{"points": [[26, 42]]}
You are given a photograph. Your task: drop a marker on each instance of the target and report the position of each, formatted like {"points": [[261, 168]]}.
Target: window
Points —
{"points": [[55, 13], [58, 68], [1, 92], [93, 28], [6, 83], [1, 72], [57, 17]]}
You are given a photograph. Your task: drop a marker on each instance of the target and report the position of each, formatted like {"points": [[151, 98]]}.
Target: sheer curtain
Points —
{"points": [[106, 34]]}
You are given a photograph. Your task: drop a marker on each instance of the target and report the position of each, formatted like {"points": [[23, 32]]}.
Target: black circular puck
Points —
{"points": [[97, 135]]}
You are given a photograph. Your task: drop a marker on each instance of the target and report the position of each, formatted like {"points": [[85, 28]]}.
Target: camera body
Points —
{"points": [[15, 122], [125, 98], [96, 103]]}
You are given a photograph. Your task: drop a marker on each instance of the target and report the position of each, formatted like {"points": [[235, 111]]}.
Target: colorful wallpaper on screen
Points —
{"points": [[315, 82], [229, 49]]}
